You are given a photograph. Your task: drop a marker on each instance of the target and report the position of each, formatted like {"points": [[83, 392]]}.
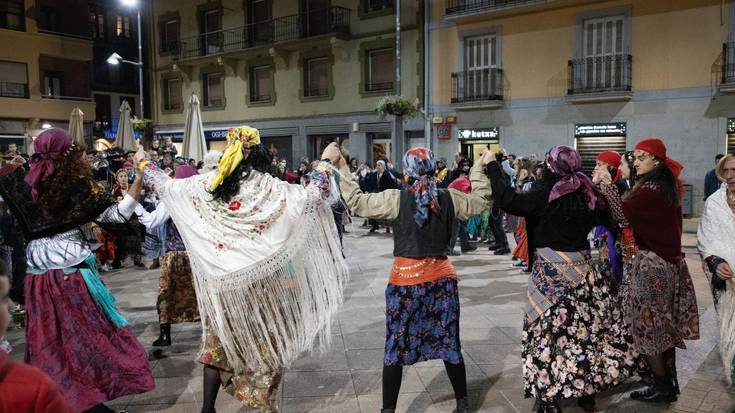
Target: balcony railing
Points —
{"points": [[467, 6], [379, 86], [728, 63], [77, 98], [260, 98], [316, 92], [297, 26], [13, 90], [600, 74], [477, 85]]}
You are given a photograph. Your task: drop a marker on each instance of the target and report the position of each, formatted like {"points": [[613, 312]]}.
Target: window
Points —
{"points": [[122, 26], [316, 77], [172, 94], [97, 25], [213, 90], [261, 84], [481, 77], [52, 83], [377, 5], [602, 51], [380, 70], [170, 36], [49, 19], [12, 15], [13, 80], [211, 26]]}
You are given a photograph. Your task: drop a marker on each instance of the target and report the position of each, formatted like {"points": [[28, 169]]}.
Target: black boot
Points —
{"points": [[661, 391], [387, 410], [463, 405], [670, 360], [587, 403], [165, 338], [549, 407]]}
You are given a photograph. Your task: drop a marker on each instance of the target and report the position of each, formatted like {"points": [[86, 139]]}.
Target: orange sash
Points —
{"points": [[414, 271]]}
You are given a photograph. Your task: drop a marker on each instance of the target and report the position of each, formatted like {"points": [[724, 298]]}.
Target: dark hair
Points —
{"points": [[629, 159], [661, 177], [719, 156], [258, 159], [72, 174]]}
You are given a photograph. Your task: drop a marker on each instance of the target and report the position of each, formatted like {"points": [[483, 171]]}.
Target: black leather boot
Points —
{"points": [[463, 405], [661, 391], [387, 410], [549, 407], [670, 360], [165, 338], [587, 403]]}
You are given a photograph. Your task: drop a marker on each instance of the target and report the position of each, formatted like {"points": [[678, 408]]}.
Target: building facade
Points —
{"points": [[114, 29], [305, 73], [45, 55], [598, 75]]}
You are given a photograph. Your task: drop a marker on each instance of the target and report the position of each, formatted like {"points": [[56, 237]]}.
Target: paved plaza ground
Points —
{"points": [[348, 378]]}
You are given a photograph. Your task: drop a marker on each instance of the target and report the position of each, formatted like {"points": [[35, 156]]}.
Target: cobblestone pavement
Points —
{"points": [[348, 377]]}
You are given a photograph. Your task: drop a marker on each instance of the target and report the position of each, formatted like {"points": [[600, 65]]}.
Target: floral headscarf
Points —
{"points": [[566, 162], [420, 165]]}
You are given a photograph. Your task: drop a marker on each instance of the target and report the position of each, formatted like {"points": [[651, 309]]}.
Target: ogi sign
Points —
{"points": [[484, 133], [215, 135]]}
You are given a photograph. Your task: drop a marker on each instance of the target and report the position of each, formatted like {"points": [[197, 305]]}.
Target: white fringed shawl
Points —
{"points": [[716, 236], [268, 268]]}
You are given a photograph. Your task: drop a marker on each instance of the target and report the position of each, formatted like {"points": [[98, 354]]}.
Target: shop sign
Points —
{"points": [[731, 125], [600, 129], [209, 135], [437, 120], [443, 131], [451, 120], [476, 134]]}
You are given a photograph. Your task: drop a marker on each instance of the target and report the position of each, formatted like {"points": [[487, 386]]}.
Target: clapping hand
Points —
{"points": [[724, 271]]}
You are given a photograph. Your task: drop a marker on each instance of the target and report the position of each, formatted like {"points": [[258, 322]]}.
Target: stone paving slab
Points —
{"points": [[348, 378]]}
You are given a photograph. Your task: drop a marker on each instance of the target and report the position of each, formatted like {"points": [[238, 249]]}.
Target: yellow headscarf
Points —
{"points": [[242, 137]]}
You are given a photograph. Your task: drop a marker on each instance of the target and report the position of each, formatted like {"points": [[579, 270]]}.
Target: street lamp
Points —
{"points": [[115, 59]]}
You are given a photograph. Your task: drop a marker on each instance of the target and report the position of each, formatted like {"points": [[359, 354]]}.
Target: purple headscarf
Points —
{"points": [[185, 171], [50, 146], [420, 165], [566, 162]]}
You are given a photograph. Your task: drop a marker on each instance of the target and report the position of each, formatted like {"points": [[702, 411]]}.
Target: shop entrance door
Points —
{"points": [[320, 142], [472, 149]]}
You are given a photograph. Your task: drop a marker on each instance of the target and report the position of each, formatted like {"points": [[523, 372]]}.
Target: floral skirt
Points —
{"points": [[71, 340], [422, 323], [254, 388], [661, 305], [580, 346], [177, 300]]}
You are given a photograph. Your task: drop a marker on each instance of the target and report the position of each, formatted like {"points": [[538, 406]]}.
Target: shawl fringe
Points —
{"points": [[272, 311]]}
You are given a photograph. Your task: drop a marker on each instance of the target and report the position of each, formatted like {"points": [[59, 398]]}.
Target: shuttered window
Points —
{"points": [[590, 147]]}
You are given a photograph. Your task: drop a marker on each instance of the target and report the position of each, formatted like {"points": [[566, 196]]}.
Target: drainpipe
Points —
{"points": [[427, 74]]}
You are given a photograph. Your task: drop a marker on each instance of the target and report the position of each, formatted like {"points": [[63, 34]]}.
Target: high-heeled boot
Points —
{"points": [[463, 405], [165, 338], [549, 407], [662, 390]]}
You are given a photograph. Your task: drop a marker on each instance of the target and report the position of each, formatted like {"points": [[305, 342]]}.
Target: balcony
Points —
{"points": [[600, 79], [464, 7], [379, 87], [476, 89], [727, 83], [282, 29], [13, 90]]}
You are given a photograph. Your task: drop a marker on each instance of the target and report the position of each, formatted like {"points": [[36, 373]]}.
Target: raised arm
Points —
{"points": [[614, 202], [506, 197], [381, 205], [469, 205]]}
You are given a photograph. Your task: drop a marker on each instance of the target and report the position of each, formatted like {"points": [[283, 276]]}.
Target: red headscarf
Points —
{"points": [[656, 147], [50, 146]]}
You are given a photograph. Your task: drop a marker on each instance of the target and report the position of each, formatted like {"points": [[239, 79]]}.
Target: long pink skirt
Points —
{"points": [[71, 340]]}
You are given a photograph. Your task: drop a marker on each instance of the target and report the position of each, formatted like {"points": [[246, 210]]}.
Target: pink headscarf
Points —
{"points": [[566, 162], [185, 171], [50, 146]]}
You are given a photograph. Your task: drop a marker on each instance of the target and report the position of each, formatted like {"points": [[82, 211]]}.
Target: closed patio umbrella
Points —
{"points": [[194, 147]]}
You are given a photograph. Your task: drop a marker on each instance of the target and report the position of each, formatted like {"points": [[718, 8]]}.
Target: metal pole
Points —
{"points": [[140, 67], [397, 148], [427, 74], [398, 47]]}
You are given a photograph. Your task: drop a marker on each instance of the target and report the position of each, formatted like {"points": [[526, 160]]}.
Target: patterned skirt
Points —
{"points": [[177, 300], [254, 388], [422, 323], [581, 345], [71, 340], [661, 304]]}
